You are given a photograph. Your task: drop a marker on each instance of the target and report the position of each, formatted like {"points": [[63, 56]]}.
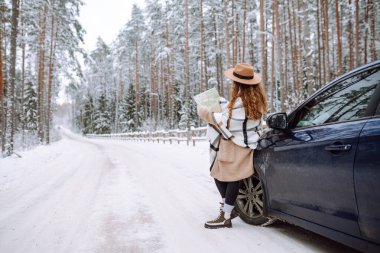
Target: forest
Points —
{"points": [[167, 52]]}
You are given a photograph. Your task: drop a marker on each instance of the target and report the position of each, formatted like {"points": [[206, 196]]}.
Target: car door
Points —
{"points": [[310, 173], [367, 179]]}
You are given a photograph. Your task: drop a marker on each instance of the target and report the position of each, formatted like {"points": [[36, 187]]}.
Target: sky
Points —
{"points": [[105, 18], [102, 18]]}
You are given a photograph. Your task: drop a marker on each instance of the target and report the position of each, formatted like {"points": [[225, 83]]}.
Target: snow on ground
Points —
{"points": [[87, 195]]}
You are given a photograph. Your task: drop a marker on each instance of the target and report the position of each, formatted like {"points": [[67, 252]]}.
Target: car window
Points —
{"points": [[347, 100]]}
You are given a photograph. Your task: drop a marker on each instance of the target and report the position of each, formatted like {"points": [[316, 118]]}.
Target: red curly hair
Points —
{"points": [[253, 97]]}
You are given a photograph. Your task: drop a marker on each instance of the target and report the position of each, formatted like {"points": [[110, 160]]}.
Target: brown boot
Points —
{"points": [[219, 222]]}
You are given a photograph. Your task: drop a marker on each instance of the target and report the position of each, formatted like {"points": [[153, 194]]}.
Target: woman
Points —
{"points": [[233, 137]]}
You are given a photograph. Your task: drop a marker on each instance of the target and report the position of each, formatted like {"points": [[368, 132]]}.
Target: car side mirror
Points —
{"points": [[277, 121]]}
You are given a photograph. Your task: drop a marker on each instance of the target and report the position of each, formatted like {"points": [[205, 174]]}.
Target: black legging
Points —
{"points": [[228, 190]]}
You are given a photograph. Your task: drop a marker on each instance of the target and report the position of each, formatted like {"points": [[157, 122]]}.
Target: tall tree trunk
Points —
{"points": [[237, 42], [333, 53], [309, 57], [357, 44], [227, 30], [324, 47], [366, 32], [161, 91], [284, 87], [217, 55], [23, 49], [170, 78], [244, 18], [153, 86], [187, 67], [234, 49], [340, 67], [2, 114], [207, 77], [12, 71], [251, 45], [299, 51], [121, 85], [41, 74], [137, 77], [279, 55], [222, 90], [130, 64], [292, 51], [201, 84], [319, 45], [325, 38], [272, 90], [4, 127], [350, 39], [53, 39], [263, 43], [373, 29]]}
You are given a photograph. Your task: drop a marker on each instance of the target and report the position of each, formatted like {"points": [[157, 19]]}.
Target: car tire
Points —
{"points": [[250, 202]]}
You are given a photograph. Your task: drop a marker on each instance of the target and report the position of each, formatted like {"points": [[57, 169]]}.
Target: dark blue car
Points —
{"points": [[319, 166]]}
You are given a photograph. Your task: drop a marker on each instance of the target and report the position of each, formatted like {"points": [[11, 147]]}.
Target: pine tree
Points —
{"points": [[88, 116], [30, 108], [185, 117], [132, 117], [123, 115], [177, 106], [102, 123]]}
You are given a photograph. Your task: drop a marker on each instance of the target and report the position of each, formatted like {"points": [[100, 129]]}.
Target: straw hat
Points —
{"points": [[243, 73]]}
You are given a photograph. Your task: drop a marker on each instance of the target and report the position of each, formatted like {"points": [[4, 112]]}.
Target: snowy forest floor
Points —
{"points": [[82, 195]]}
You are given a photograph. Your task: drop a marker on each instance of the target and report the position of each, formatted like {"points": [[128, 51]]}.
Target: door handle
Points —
{"points": [[338, 148]]}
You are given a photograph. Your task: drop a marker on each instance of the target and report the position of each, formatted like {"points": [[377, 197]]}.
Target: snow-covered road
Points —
{"points": [[82, 195]]}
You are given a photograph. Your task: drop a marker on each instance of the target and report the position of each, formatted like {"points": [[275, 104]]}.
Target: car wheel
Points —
{"points": [[250, 202]]}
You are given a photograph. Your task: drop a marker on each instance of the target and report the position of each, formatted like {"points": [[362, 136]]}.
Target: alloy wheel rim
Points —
{"points": [[250, 198]]}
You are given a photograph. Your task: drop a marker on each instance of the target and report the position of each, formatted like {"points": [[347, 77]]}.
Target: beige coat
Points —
{"points": [[232, 162]]}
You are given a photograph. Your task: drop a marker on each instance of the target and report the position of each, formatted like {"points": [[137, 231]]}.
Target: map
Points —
{"points": [[209, 99]]}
